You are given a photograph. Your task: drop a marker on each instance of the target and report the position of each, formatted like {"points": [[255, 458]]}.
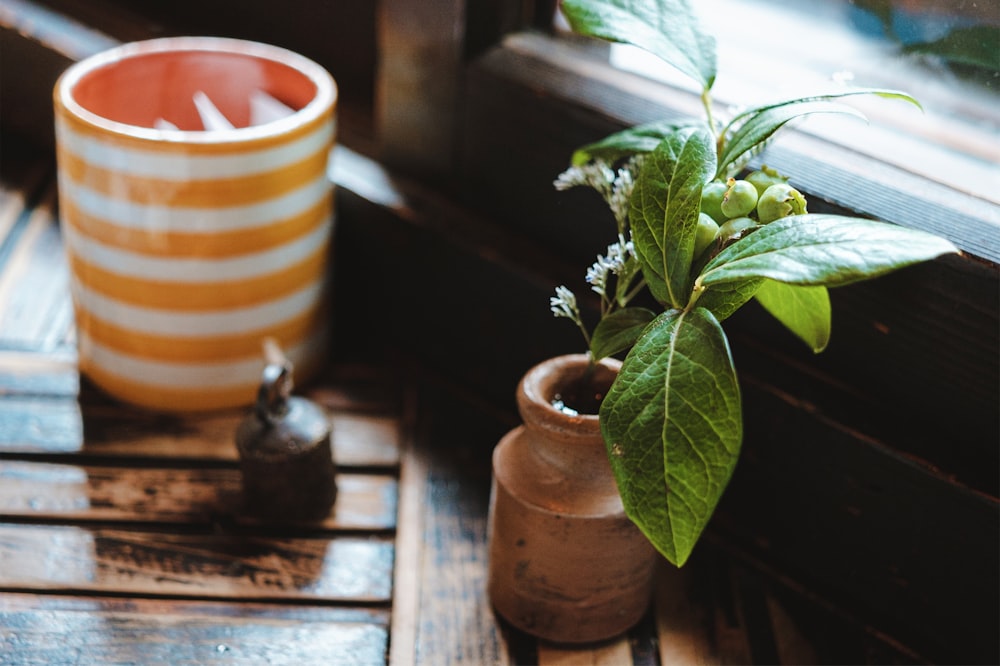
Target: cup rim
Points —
{"points": [[325, 98]]}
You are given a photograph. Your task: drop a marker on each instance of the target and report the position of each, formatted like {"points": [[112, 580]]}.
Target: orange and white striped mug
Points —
{"points": [[189, 246]]}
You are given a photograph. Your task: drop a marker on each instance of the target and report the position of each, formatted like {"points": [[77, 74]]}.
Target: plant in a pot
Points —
{"points": [[699, 237]]}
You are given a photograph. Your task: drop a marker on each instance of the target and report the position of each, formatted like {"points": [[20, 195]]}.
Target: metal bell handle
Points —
{"points": [[275, 387]]}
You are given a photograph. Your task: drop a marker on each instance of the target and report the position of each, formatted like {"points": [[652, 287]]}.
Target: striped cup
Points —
{"points": [[189, 246]]}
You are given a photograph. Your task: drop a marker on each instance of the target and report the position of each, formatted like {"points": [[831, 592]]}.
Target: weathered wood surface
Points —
{"points": [[231, 565], [122, 536], [56, 630], [49, 491]]}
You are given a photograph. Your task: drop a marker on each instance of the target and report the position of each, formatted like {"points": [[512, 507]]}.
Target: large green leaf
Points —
{"points": [[666, 28], [630, 141], [618, 331], [804, 310], [664, 211], [826, 250], [751, 129], [726, 298], [672, 422]]}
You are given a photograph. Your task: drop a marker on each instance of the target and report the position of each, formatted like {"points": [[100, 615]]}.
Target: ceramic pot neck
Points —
{"points": [[565, 441]]}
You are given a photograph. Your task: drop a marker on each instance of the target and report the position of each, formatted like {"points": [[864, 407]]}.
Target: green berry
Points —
{"points": [[740, 198], [765, 178], [736, 228], [780, 201], [711, 200], [705, 235]]}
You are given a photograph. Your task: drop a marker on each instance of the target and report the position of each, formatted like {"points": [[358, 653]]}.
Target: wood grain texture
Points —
{"points": [[40, 315], [456, 624], [612, 654], [47, 491], [409, 543], [61, 425], [223, 565], [57, 630]]}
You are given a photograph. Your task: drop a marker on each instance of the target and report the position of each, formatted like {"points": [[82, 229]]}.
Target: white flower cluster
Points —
{"points": [[596, 174], [563, 304], [614, 262], [614, 186]]}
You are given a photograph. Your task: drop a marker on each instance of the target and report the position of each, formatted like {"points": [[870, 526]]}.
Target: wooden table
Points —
{"points": [[122, 542]]}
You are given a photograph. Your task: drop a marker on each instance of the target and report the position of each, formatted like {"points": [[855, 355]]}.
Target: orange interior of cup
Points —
{"points": [[144, 87]]}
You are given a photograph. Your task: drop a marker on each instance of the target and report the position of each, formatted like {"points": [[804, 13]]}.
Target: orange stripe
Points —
{"points": [[197, 245], [163, 295], [210, 147], [187, 350], [199, 399], [209, 193], [174, 400]]}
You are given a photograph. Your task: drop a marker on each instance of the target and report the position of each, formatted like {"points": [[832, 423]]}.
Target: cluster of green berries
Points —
{"points": [[732, 208]]}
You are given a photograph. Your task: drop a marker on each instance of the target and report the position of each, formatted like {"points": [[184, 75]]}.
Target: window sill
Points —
{"points": [[831, 172]]}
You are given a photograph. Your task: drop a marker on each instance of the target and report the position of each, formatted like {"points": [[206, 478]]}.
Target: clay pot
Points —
{"points": [[565, 563]]}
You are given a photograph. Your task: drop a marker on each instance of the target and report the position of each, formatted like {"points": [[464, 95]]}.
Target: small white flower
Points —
{"points": [[597, 276], [570, 178], [563, 304], [621, 190], [596, 174]]}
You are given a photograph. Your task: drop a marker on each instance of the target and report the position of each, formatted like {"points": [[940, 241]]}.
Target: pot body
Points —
{"points": [[565, 562]]}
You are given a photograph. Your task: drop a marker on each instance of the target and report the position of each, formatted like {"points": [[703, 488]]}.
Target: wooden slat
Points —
{"points": [[792, 645], [20, 180], [358, 439], [34, 294], [229, 566], [54, 630], [50, 374], [409, 544], [44, 491], [615, 653], [681, 623], [60, 426], [445, 548]]}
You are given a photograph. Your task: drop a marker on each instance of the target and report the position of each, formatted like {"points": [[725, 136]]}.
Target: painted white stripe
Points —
{"points": [[154, 218], [195, 270], [185, 166], [190, 325], [193, 376]]}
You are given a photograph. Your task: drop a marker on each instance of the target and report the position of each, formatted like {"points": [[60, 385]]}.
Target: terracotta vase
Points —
{"points": [[565, 563]]}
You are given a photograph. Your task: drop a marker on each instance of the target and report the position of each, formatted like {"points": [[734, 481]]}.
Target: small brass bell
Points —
{"points": [[285, 450]]}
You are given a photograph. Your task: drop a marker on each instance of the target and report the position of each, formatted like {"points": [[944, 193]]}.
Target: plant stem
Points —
{"points": [[635, 291], [706, 101], [583, 329]]}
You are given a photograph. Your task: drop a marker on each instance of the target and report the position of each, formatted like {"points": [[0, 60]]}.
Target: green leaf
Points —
{"points": [[666, 28], [747, 133], [827, 250], [665, 204], [805, 311], [618, 331], [630, 141], [759, 127], [672, 422], [725, 299]]}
